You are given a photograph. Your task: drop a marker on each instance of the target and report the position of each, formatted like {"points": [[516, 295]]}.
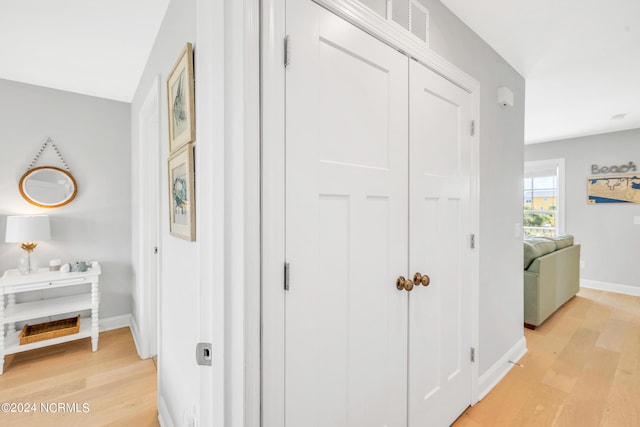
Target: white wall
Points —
{"points": [[179, 259], [202, 290], [607, 233], [93, 136]]}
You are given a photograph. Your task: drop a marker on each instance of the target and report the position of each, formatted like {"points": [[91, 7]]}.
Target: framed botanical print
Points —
{"points": [[182, 212], [181, 102]]}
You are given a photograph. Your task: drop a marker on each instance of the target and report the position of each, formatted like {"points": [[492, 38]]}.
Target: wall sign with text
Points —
{"points": [[596, 169]]}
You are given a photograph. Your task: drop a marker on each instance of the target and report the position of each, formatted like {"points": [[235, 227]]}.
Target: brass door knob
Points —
{"points": [[420, 279], [402, 283]]}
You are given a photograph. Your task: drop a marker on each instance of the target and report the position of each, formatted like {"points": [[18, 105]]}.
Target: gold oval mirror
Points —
{"points": [[48, 187]]}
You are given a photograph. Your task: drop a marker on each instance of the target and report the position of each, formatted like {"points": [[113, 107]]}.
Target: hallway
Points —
{"points": [[68, 385]]}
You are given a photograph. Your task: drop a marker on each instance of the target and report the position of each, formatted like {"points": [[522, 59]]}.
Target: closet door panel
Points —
{"points": [[346, 225], [439, 232]]}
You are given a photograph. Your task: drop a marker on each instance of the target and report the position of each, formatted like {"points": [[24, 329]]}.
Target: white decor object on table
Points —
{"points": [[55, 264], [13, 282], [27, 230]]}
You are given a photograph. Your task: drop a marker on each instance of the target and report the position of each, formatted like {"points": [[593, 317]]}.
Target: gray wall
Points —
{"points": [[179, 288], [93, 135], [607, 233]]}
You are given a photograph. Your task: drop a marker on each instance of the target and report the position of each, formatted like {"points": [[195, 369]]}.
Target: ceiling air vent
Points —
{"points": [[400, 13], [412, 16], [419, 20]]}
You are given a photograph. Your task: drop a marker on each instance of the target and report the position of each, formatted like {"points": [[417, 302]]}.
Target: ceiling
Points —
{"points": [[580, 59], [94, 47]]}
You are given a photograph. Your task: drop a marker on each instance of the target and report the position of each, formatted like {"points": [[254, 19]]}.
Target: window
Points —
{"points": [[543, 198]]}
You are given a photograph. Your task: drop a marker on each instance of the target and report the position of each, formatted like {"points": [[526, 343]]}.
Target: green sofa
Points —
{"points": [[551, 276]]}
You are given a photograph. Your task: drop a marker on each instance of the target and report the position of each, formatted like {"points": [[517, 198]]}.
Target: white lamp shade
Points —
{"points": [[33, 228]]}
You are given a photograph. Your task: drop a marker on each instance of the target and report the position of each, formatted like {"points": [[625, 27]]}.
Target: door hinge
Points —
{"points": [[473, 127], [473, 241], [286, 52], [473, 354], [286, 276]]}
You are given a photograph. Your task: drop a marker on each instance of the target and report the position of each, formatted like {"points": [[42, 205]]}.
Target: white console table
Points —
{"points": [[12, 282]]}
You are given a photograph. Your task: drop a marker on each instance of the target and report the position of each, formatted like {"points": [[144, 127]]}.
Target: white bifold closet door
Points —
{"points": [[346, 224], [439, 246], [349, 332]]}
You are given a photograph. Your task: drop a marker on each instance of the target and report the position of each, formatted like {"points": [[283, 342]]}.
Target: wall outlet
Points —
{"points": [[581, 264]]}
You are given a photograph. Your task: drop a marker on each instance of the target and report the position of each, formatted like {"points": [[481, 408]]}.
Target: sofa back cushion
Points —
{"points": [[536, 247], [562, 242]]}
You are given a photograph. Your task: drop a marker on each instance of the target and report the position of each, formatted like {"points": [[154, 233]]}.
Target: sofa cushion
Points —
{"points": [[537, 247], [562, 242]]}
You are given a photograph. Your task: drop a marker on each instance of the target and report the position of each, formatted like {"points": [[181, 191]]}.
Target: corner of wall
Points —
{"points": [[135, 333], [116, 322], [124, 321], [501, 368]]}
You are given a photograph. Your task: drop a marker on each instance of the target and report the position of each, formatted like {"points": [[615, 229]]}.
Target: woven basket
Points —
{"points": [[48, 330]]}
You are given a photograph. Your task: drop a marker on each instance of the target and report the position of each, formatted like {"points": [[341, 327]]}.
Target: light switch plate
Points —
{"points": [[636, 220]]}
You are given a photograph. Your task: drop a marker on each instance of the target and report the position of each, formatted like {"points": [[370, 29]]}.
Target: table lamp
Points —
{"points": [[27, 230]]}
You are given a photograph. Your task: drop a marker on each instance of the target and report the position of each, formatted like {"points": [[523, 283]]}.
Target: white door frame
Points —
{"points": [[148, 221], [273, 179]]}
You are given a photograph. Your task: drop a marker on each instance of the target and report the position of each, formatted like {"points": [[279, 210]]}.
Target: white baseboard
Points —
{"points": [[135, 333], [116, 322], [492, 377], [163, 414], [124, 321], [610, 287]]}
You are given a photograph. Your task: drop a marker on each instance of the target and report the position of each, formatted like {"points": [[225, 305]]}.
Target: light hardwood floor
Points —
{"points": [[582, 370], [118, 388]]}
